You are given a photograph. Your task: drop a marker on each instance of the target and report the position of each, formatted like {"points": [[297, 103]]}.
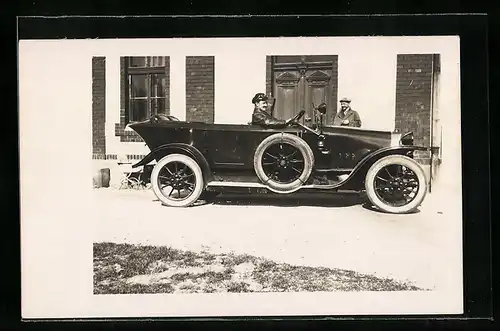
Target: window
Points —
{"points": [[147, 87]]}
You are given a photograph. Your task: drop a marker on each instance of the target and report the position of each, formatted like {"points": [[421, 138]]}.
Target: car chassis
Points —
{"points": [[198, 160]]}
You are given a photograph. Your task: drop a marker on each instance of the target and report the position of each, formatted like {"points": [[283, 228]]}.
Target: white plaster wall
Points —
{"points": [[449, 114], [178, 86], [369, 81], [112, 103], [237, 79], [367, 75]]}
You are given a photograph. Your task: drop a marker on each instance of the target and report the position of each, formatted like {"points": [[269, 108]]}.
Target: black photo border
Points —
{"points": [[472, 30]]}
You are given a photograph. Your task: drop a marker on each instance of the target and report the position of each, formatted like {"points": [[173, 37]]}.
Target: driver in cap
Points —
{"points": [[260, 115]]}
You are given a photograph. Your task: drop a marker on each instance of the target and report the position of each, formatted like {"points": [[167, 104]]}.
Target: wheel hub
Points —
{"points": [[397, 186], [396, 182], [177, 181], [283, 163]]}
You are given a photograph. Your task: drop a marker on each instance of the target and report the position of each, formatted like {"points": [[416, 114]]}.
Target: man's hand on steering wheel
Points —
{"points": [[295, 118]]}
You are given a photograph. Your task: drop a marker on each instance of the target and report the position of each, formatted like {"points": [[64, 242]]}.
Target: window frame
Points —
{"points": [[148, 70]]}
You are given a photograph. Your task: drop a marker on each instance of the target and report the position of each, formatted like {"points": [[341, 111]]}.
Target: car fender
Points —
{"points": [[359, 172], [182, 148]]}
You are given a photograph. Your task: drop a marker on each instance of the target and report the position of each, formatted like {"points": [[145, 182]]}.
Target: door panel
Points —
{"points": [[224, 148], [287, 108], [315, 97], [233, 147], [311, 81], [286, 93], [319, 89]]}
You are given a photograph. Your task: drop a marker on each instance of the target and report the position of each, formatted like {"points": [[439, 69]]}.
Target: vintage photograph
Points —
{"points": [[261, 167], [336, 147]]}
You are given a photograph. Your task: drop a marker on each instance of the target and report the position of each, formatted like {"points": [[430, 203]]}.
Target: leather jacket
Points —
{"points": [[263, 119]]}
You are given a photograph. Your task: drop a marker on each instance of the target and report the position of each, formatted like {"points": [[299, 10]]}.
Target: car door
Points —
{"points": [[223, 146]]}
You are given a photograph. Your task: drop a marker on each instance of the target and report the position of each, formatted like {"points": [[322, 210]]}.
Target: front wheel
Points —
{"points": [[396, 184], [177, 180]]}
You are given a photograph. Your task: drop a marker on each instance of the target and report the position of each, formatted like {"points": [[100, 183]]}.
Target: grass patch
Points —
{"points": [[133, 269]]}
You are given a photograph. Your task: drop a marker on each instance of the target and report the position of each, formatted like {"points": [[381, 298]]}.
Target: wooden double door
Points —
{"points": [[299, 82]]}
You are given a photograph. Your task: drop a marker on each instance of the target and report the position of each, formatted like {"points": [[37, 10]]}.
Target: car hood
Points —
{"points": [[382, 138]]}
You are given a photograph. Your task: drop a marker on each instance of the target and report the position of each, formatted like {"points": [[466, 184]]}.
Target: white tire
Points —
{"points": [[292, 142], [167, 183], [382, 184]]}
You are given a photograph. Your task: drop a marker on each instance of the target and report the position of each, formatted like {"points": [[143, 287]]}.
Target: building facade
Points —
{"points": [[394, 92]]}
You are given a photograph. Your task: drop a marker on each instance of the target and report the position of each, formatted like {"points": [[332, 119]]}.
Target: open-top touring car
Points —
{"points": [[195, 159]]}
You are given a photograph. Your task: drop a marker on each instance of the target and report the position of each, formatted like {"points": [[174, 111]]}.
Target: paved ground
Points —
{"points": [[339, 232]]}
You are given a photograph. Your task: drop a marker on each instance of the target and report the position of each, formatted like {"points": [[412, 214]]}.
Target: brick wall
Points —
{"points": [[167, 88], [98, 105], [413, 98], [125, 136], [269, 85], [200, 88], [335, 87]]}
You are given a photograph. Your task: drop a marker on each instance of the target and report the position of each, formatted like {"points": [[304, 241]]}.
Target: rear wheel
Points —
{"points": [[283, 162], [177, 180], [396, 184]]}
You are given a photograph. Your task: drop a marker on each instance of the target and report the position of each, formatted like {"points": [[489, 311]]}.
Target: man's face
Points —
{"points": [[344, 105], [262, 105]]}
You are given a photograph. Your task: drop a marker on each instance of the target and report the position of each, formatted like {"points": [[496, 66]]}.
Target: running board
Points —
{"points": [[262, 186]]}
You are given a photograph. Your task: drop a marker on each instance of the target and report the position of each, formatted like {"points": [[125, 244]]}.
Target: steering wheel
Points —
{"points": [[296, 117]]}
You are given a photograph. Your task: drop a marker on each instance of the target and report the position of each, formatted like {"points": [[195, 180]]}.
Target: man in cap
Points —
{"points": [[347, 116], [260, 115]]}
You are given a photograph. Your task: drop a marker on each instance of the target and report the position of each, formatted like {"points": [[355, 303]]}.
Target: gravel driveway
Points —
{"points": [[334, 232]]}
